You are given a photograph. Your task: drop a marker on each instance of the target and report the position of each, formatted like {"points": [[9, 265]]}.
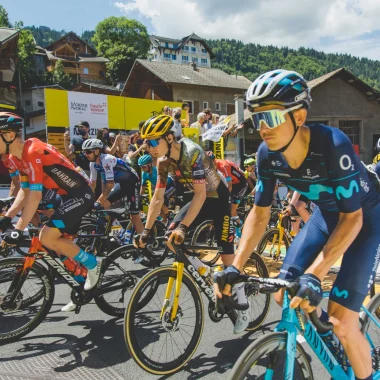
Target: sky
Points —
{"points": [[341, 26]]}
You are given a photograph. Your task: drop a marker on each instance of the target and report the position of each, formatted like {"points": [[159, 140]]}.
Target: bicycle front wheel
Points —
{"points": [[158, 344], [32, 303], [265, 359], [270, 241]]}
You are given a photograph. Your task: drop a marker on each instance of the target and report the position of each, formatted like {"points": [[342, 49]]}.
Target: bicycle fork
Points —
{"points": [[169, 289]]}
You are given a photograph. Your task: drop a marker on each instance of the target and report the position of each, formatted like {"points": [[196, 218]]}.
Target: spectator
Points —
{"points": [[104, 136], [136, 149], [208, 118], [199, 124], [215, 119], [118, 152], [167, 110], [177, 112], [74, 146]]}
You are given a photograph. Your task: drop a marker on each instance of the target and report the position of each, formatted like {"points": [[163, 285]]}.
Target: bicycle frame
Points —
{"points": [[294, 323], [181, 263]]}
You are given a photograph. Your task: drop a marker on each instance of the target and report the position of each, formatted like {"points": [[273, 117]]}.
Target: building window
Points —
{"points": [[310, 122], [193, 49], [352, 129], [230, 108], [191, 105], [174, 57], [85, 70], [175, 46], [27, 103], [204, 61], [76, 46], [217, 106], [102, 74], [186, 48], [40, 104], [204, 51], [205, 105], [185, 58], [195, 59], [155, 56], [166, 44]]}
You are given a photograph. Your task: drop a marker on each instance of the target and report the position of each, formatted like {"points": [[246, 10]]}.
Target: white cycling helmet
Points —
{"points": [[92, 144], [278, 87]]}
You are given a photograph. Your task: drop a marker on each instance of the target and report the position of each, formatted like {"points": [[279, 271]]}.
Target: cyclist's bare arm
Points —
{"points": [[254, 228], [196, 203], [20, 200], [142, 190], [31, 205], [108, 186]]}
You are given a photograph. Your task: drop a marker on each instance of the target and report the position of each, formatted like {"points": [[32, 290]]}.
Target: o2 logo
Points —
{"points": [[346, 163]]}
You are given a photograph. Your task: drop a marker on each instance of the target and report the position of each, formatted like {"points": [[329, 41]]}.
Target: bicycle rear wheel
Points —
{"points": [[371, 331], [29, 309], [265, 359], [158, 345]]}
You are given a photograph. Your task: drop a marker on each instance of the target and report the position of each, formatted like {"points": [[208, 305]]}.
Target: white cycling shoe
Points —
{"points": [[93, 275], [242, 320], [71, 306]]}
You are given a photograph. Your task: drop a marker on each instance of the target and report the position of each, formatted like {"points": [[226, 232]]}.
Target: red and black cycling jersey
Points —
{"points": [[231, 172], [46, 167]]}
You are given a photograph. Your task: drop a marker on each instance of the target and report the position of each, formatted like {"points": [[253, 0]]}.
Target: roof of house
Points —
{"points": [[7, 34], [368, 91], [79, 58], [60, 38], [88, 85], [93, 59], [156, 42], [173, 73]]}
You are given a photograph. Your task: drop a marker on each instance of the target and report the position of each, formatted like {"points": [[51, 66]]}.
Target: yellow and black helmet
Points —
{"points": [[156, 126]]}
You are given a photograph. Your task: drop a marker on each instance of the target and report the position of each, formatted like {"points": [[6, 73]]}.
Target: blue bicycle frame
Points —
{"points": [[295, 324]]}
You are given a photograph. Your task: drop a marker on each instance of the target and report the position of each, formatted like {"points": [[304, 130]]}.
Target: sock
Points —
{"points": [[324, 317], [87, 259], [367, 378], [238, 289]]}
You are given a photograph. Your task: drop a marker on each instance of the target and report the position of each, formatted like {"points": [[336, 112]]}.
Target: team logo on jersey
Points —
{"points": [[195, 157], [276, 163], [107, 167]]}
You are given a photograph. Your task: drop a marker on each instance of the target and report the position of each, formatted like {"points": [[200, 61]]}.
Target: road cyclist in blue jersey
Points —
{"points": [[320, 163]]}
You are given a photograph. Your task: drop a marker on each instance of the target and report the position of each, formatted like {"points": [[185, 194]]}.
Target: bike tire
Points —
{"points": [[121, 259], [47, 282], [201, 232], [268, 237], [136, 319], [253, 357], [259, 302]]}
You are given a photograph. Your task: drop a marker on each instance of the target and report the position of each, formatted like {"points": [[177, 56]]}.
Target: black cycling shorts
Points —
{"points": [[127, 189], [219, 211], [238, 191], [68, 216]]}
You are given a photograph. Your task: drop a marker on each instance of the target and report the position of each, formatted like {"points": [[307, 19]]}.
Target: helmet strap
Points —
{"points": [[8, 143], [296, 128]]}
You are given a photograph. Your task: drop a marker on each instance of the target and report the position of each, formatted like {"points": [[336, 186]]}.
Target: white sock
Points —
{"points": [[238, 289]]}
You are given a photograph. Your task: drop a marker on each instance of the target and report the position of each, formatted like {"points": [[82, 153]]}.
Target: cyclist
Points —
{"points": [[119, 180], [236, 181], [187, 162], [41, 165], [250, 174], [149, 173], [319, 162], [12, 164]]}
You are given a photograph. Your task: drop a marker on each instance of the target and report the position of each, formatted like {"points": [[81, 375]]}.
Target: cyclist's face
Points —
{"points": [[146, 168], [249, 168], [160, 150]]}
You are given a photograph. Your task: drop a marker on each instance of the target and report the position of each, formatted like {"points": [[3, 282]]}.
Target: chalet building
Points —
{"points": [[96, 88], [8, 54], [78, 58], [200, 87], [341, 100], [189, 49]]}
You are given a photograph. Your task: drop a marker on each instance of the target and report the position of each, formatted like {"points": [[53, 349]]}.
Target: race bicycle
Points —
{"points": [[163, 322]]}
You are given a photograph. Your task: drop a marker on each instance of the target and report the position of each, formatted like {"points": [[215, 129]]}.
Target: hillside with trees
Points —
{"points": [[250, 60]]}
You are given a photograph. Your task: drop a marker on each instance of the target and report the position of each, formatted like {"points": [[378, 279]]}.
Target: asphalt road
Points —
{"points": [[91, 345]]}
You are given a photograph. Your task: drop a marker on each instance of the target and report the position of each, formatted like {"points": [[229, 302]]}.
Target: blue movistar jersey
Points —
{"points": [[112, 169], [152, 177], [331, 176]]}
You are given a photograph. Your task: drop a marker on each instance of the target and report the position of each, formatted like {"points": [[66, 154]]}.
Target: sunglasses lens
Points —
{"points": [[153, 143], [272, 118]]}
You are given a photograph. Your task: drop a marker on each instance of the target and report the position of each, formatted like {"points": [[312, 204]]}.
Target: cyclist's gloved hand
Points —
{"points": [[141, 240], [13, 236], [97, 206], [225, 277], [309, 292], [179, 234], [289, 210], [5, 223]]}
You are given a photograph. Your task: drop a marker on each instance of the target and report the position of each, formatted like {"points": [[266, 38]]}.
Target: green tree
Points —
{"points": [[121, 40], [26, 48], [59, 76], [4, 19]]}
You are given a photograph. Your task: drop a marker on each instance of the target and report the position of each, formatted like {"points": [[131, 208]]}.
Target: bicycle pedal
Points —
{"points": [[77, 309]]}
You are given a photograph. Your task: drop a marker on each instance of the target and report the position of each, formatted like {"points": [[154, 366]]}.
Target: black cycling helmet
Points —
{"points": [[10, 122]]}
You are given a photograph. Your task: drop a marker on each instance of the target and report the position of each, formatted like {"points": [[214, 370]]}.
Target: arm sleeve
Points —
{"points": [[93, 172], [266, 183], [344, 172], [108, 163], [198, 170], [35, 157]]}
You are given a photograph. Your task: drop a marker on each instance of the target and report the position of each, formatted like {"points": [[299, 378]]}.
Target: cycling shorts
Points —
{"points": [[238, 192], [68, 216], [50, 200], [219, 211], [359, 264], [129, 190], [302, 198]]}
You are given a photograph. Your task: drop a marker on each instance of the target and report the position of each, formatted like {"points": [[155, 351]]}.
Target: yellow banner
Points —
{"points": [[191, 133], [219, 149]]}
